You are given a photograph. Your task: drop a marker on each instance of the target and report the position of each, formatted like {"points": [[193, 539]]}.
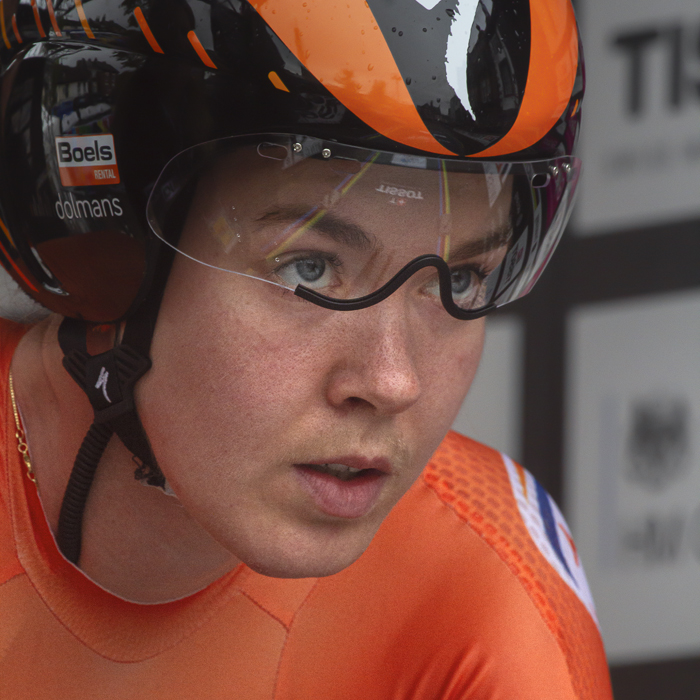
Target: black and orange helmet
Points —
{"points": [[98, 96]]}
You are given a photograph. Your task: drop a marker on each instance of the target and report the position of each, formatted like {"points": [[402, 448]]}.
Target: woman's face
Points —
{"points": [[289, 431]]}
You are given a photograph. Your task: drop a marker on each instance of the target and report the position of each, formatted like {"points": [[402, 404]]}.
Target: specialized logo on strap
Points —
{"points": [[549, 531], [102, 383]]}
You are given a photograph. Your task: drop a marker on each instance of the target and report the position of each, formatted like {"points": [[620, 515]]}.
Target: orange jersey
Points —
{"points": [[471, 589]]}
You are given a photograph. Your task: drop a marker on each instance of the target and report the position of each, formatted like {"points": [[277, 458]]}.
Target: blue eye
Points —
{"points": [[465, 285], [311, 270], [461, 281], [468, 287]]}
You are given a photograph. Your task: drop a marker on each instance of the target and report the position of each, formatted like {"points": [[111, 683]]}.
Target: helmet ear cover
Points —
{"points": [[83, 248], [75, 249]]}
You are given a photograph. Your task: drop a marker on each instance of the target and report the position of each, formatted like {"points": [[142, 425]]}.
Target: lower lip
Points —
{"points": [[342, 499]]}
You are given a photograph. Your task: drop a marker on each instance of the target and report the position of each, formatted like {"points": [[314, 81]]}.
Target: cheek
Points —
{"points": [[446, 381], [467, 361], [231, 374], [452, 372], [223, 388]]}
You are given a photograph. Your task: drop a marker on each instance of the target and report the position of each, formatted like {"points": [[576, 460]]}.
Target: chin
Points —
{"points": [[299, 569], [308, 559]]}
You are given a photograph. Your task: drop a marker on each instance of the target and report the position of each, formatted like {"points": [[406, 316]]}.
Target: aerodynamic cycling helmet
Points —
{"points": [[127, 126]]}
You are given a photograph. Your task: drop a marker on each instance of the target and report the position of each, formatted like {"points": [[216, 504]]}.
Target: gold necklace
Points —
{"points": [[22, 447]]}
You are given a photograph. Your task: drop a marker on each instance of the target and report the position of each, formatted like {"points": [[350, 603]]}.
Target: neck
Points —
{"points": [[137, 542]]}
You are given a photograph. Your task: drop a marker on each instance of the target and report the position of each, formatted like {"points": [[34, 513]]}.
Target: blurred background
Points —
{"points": [[593, 382]]}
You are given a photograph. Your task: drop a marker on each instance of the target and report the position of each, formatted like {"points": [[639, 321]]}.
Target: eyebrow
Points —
{"points": [[491, 241], [343, 231], [338, 229]]}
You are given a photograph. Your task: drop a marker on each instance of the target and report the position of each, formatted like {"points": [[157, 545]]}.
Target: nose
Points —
{"points": [[375, 364]]}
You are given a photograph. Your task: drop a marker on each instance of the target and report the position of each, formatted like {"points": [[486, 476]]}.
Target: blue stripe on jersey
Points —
{"points": [[550, 527]]}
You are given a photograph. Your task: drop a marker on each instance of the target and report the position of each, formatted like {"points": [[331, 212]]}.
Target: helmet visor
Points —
{"points": [[346, 226]]}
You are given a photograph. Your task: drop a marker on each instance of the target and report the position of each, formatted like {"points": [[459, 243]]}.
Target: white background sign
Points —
{"points": [[633, 470], [640, 142]]}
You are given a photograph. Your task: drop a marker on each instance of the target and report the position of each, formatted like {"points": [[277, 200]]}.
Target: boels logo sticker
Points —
{"points": [[87, 160]]}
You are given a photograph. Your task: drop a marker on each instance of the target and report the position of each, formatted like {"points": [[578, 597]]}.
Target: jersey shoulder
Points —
{"points": [[509, 509], [512, 513]]}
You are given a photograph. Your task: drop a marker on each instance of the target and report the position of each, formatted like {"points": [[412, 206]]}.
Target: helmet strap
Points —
{"points": [[108, 380]]}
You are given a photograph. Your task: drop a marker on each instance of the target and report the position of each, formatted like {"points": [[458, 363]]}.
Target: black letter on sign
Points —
{"points": [[64, 152], [675, 87], [634, 43]]}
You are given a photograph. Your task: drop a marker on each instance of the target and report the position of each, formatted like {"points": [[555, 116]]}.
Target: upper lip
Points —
{"points": [[381, 464]]}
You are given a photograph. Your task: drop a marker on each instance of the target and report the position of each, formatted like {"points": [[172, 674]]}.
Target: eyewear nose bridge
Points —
{"points": [[407, 271]]}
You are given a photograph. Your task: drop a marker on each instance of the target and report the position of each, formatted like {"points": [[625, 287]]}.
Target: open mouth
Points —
{"points": [[341, 490], [341, 471]]}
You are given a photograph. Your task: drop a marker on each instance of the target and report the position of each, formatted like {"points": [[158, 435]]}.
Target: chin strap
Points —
{"points": [[108, 380]]}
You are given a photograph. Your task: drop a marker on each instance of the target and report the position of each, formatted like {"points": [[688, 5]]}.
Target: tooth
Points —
{"points": [[340, 471], [345, 468]]}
